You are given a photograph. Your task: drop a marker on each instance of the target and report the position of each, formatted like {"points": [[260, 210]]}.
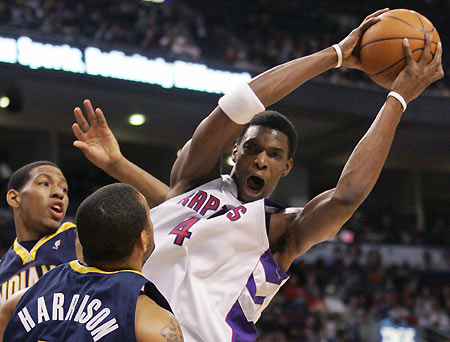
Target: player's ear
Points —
{"points": [[288, 167], [142, 241], [13, 198]]}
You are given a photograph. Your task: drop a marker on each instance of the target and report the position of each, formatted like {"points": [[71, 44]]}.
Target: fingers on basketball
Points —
{"points": [[382, 52]]}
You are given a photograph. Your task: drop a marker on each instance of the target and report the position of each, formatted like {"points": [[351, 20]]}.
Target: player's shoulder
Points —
{"points": [[154, 323], [66, 226]]}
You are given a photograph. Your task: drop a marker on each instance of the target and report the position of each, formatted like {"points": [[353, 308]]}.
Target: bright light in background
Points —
{"points": [[157, 1], [230, 161], [136, 119], [4, 101]]}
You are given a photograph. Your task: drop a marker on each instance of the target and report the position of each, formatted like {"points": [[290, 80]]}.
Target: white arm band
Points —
{"points": [[339, 55], [399, 98], [241, 104]]}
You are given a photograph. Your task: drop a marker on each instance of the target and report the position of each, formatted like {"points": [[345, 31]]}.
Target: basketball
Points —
{"points": [[381, 50]]}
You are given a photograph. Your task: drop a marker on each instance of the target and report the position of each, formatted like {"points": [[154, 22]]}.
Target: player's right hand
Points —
{"points": [[95, 138], [350, 44], [416, 76]]}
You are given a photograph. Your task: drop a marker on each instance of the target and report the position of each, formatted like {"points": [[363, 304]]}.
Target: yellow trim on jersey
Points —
{"points": [[27, 257], [21, 251], [76, 266]]}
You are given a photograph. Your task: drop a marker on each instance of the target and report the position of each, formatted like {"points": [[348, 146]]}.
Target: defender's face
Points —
{"points": [[261, 160], [44, 200]]}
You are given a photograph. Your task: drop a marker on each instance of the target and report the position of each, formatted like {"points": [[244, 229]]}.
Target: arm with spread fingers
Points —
{"points": [[99, 145]]}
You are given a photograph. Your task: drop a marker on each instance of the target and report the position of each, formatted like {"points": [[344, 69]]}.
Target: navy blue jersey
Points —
{"points": [[73, 302], [20, 268]]}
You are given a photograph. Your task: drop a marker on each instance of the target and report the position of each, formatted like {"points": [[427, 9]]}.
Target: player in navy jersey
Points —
{"points": [[37, 196], [101, 299], [223, 278]]}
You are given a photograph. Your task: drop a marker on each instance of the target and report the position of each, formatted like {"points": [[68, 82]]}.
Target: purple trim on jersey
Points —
{"points": [[251, 287], [271, 203], [243, 330], [274, 274]]}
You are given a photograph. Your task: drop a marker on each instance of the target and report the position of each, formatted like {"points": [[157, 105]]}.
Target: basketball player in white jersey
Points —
{"points": [[228, 248]]}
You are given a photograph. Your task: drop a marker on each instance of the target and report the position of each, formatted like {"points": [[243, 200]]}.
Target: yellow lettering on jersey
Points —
{"points": [[13, 285], [32, 276], [44, 269], [3, 295]]}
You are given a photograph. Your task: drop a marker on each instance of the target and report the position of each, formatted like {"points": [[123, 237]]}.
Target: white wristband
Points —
{"points": [[399, 98], [241, 104], [339, 55]]}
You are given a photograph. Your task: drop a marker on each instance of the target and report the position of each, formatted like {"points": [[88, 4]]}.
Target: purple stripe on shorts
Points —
{"points": [[274, 274], [243, 330], [251, 287]]}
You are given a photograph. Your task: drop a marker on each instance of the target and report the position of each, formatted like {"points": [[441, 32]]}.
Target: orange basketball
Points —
{"points": [[381, 48]]}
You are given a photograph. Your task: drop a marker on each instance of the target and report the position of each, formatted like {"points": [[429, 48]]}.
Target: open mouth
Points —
{"points": [[56, 211], [255, 184]]}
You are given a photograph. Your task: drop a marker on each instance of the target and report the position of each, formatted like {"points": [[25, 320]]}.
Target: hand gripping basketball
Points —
{"points": [[381, 50], [416, 76], [350, 44]]}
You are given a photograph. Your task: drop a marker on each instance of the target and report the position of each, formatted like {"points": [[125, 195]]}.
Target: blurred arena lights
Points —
{"points": [[136, 68], [137, 119], [4, 102], [155, 1]]}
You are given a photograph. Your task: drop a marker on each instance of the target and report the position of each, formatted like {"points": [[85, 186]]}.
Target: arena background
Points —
{"points": [[386, 276]]}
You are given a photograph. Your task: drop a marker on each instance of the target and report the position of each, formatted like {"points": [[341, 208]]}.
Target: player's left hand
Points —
{"points": [[95, 138], [350, 44]]}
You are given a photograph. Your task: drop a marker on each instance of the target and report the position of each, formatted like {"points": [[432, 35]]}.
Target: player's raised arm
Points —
{"points": [[198, 162], [324, 215], [100, 147], [155, 324]]}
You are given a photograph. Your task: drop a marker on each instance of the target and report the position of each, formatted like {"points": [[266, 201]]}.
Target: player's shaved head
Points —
{"points": [[109, 222]]}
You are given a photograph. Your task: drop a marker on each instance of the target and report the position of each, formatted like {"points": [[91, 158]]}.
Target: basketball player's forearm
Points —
{"points": [[153, 189], [274, 84], [365, 163]]}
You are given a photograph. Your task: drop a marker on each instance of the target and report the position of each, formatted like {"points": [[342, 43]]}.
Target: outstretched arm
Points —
{"points": [[324, 215], [100, 147], [218, 132]]}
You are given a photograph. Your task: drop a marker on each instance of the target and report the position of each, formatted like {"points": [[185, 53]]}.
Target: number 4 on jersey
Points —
{"points": [[182, 230]]}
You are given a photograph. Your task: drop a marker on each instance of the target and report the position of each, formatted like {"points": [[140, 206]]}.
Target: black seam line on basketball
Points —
{"points": [[406, 23], [423, 26], [392, 38], [390, 66]]}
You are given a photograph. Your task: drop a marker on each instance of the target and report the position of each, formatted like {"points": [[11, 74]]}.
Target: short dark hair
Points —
{"points": [[109, 222], [21, 176], [275, 120]]}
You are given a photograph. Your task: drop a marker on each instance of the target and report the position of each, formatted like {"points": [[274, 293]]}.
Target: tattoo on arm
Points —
{"points": [[172, 331]]}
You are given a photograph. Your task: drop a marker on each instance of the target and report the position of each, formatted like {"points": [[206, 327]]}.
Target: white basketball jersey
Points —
{"points": [[212, 262]]}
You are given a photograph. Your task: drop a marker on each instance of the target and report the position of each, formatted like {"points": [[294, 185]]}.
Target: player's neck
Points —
{"points": [[24, 233], [116, 266]]}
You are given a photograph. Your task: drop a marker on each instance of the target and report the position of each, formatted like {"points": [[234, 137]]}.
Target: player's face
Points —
{"points": [[44, 200], [261, 160]]}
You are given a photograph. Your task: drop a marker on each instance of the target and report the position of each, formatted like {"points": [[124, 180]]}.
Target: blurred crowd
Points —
{"points": [[246, 35], [345, 298]]}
